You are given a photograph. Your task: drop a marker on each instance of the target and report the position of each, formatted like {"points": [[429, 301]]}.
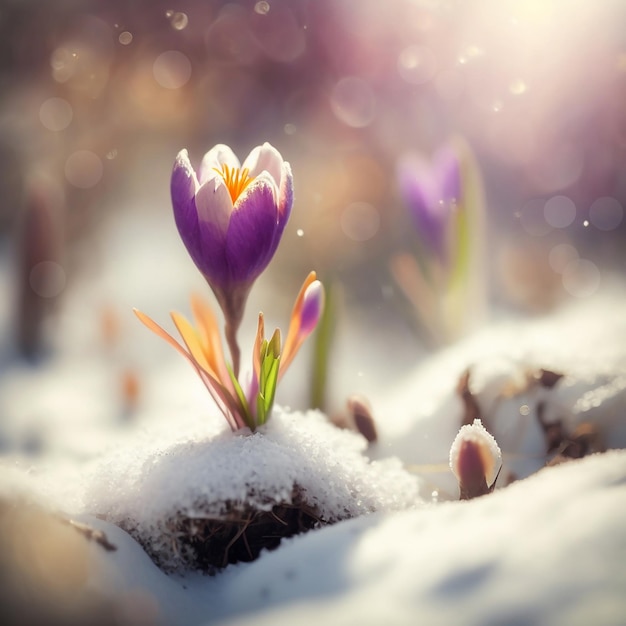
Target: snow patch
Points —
{"points": [[294, 459]]}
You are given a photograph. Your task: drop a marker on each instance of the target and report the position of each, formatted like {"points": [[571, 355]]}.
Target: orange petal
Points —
{"points": [[256, 353], [210, 337], [294, 324], [193, 343], [155, 328], [222, 398]]}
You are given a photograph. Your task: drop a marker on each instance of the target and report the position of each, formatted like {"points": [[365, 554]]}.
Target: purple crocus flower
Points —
{"points": [[231, 216], [431, 191]]}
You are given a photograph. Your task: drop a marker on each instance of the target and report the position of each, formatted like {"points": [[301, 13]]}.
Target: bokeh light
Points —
{"points": [[56, 114], [172, 69], [83, 169], [559, 211], [561, 256], [417, 64], [125, 38], [606, 213], [353, 102], [360, 221], [100, 98], [581, 278], [262, 7], [178, 19]]}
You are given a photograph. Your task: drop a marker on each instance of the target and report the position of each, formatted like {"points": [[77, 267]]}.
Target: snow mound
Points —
{"points": [[295, 459], [580, 351], [547, 550]]}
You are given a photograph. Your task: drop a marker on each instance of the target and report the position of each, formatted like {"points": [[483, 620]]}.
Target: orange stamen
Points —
{"points": [[236, 180]]}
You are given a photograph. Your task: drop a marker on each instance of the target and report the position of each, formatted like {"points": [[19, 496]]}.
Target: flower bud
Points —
{"points": [[475, 460]]}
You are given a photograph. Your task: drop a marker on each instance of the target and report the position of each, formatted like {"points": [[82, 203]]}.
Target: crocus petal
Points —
{"points": [[210, 338], [193, 343], [204, 234], [285, 195], [198, 359], [311, 308], [265, 158], [149, 323], [184, 186], [206, 246], [258, 340], [213, 203], [214, 159], [292, 343], [222, 398], [204, 239], [296, 312], [305, 322], [250, 241]]}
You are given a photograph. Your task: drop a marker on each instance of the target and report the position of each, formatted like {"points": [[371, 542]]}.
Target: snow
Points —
{"points": [[419, 417], [547, 548], [147, 484]]}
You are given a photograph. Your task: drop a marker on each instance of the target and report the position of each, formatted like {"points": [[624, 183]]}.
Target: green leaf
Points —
{"points": [[268, 377], [323, 336], [274, 344], [272, 383], [260, 409], [247, 416]]}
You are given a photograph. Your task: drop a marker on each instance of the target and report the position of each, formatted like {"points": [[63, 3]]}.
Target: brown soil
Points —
{"points": [[218, 542], [211, 543]]}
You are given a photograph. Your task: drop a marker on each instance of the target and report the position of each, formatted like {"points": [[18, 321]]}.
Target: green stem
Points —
{"points": [[230, 330], [233, 303], [324, 334]]}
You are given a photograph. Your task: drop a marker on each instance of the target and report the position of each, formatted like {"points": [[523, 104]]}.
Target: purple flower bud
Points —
{"points": [[312, 307], [431, 191], [231, 216]]}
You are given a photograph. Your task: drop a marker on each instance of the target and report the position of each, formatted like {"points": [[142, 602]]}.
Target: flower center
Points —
{"points": [[236, 180]]}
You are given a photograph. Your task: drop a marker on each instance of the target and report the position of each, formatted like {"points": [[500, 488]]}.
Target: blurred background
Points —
{"points": [[98, 96], [96, 99]]}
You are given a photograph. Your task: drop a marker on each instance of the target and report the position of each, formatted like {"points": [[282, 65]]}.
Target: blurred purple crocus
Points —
{"points": [[230, 217], [431, 190]]}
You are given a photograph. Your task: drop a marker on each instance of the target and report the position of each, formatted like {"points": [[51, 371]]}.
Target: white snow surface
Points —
{"points": [[547, 549], [418, 418], [153, 480]]}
